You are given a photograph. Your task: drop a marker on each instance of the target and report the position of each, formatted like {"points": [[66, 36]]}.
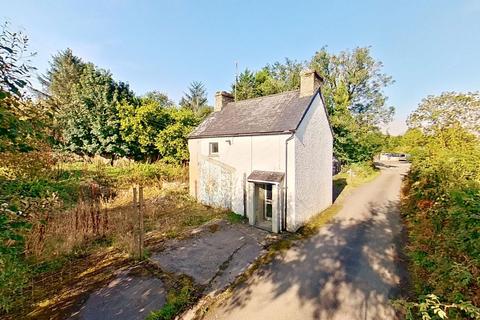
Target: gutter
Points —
{"points": [[284, 220]]}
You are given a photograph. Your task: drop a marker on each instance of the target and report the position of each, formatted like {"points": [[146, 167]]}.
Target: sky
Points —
{"points": [[427, 46]]}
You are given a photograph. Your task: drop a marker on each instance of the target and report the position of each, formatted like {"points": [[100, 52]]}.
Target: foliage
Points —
{"points": [[14, 62], [140, 124], [431, 308], [19, 122], [159, 98], [196, 97], [246, 86], [158, 131], [353, 93], [441, 205], [172, 141], [85, 99], [275, 78], [354, 78], [177, 300], [446, 110]]}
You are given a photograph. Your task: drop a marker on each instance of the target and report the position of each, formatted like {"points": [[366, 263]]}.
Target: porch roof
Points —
{"points": [[266, 176]]}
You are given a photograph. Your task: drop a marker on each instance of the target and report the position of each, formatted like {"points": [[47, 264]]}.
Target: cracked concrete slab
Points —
{"points": [[215, 255], [130, 296]]}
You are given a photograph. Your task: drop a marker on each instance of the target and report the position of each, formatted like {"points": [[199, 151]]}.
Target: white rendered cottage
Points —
{"points": [[268, 158]]}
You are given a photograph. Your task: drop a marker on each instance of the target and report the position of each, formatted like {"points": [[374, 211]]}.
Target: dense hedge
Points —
{"points": [[441, 208]]}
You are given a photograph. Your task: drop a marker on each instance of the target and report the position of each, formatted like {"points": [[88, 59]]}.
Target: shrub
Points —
{"points": [[441, 206]]}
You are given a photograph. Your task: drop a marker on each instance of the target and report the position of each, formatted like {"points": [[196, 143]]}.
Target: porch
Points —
{"points": [[265, 206]]}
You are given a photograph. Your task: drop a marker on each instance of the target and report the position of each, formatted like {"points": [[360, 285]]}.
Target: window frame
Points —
{"points": [[210, 148]]}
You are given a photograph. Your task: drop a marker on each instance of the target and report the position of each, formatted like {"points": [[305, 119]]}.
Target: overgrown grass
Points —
{"points": [[236, 218], [178, 299], [356, 174], [50, 211]]}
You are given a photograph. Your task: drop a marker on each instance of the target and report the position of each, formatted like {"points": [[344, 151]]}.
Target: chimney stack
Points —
{"points": [[221, 100], [310, 81]]}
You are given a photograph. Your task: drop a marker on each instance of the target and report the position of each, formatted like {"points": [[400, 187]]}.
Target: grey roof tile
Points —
{"points": [[265, 115]]}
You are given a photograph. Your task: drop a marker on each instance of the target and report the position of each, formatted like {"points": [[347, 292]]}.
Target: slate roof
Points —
{"points": [[272, 114], [265, 176]]}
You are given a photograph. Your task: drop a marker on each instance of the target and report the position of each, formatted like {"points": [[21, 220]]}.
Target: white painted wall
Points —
{"points": [[242, 155], [313, 164], [309, 174]]}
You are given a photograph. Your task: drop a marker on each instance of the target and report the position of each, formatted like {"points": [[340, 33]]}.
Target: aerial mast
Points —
{"points": [[236, 79]]}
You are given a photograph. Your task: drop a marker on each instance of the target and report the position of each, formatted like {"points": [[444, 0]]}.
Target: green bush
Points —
{"points": [[441, 207]]}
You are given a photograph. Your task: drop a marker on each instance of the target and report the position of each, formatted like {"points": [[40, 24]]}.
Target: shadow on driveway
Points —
{"points": [[349, 270]]}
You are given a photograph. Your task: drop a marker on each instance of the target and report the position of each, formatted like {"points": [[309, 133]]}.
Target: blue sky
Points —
{"points": [[426, 46]]}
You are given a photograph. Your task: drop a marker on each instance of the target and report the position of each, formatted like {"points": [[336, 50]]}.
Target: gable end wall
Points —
{"points": [[313, 164]]}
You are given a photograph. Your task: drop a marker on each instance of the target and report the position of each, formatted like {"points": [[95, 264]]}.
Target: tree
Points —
{"points": [[353, 93], [246, 86], [92, 124], [357, 77], [85, 99], [60, 81], [271, 79], [172, 141], [161, 99], [15, 61], [196, 98], [18, 117], [141, 122], [447, 110]]}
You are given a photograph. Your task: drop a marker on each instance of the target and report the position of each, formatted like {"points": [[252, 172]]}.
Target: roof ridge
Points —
{"points": [[262, 97]]}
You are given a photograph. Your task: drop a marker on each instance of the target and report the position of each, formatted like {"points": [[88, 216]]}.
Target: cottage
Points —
{"points": [[267, 158]]}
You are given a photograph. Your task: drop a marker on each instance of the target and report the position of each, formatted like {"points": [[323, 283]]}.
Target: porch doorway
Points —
{"points": [[264, 208], [265, 200]]}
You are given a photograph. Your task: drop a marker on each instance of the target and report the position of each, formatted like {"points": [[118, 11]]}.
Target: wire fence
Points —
{"points": [[85, 224]]}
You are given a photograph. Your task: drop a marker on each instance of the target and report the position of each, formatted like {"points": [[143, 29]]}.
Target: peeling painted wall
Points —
{"points": [[215, 183], [238, 157]]}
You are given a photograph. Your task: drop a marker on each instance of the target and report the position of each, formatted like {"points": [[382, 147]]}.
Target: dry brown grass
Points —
{"points": [[87, 263], [168, 213]]}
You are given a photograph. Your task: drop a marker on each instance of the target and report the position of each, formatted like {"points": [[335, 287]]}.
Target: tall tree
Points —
{"points": [[447, 110], [271, 79], [172, 141], [59, 83], [353, 92], [246, 86], [195, 98], [356, 77], [86, 99]]}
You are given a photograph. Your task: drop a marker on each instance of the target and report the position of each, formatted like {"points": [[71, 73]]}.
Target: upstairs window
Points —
{"points": [[213, 148]]}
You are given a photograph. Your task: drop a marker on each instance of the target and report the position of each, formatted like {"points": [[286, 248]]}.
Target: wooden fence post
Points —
{"points": [[135, 210], [140, 221]]}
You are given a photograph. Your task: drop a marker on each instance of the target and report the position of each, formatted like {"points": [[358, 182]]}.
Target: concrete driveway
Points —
{"points": [[213, 255], [349, 270]]}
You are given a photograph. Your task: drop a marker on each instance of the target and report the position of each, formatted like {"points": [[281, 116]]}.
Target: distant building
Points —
{"points": [[394, 157]]}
